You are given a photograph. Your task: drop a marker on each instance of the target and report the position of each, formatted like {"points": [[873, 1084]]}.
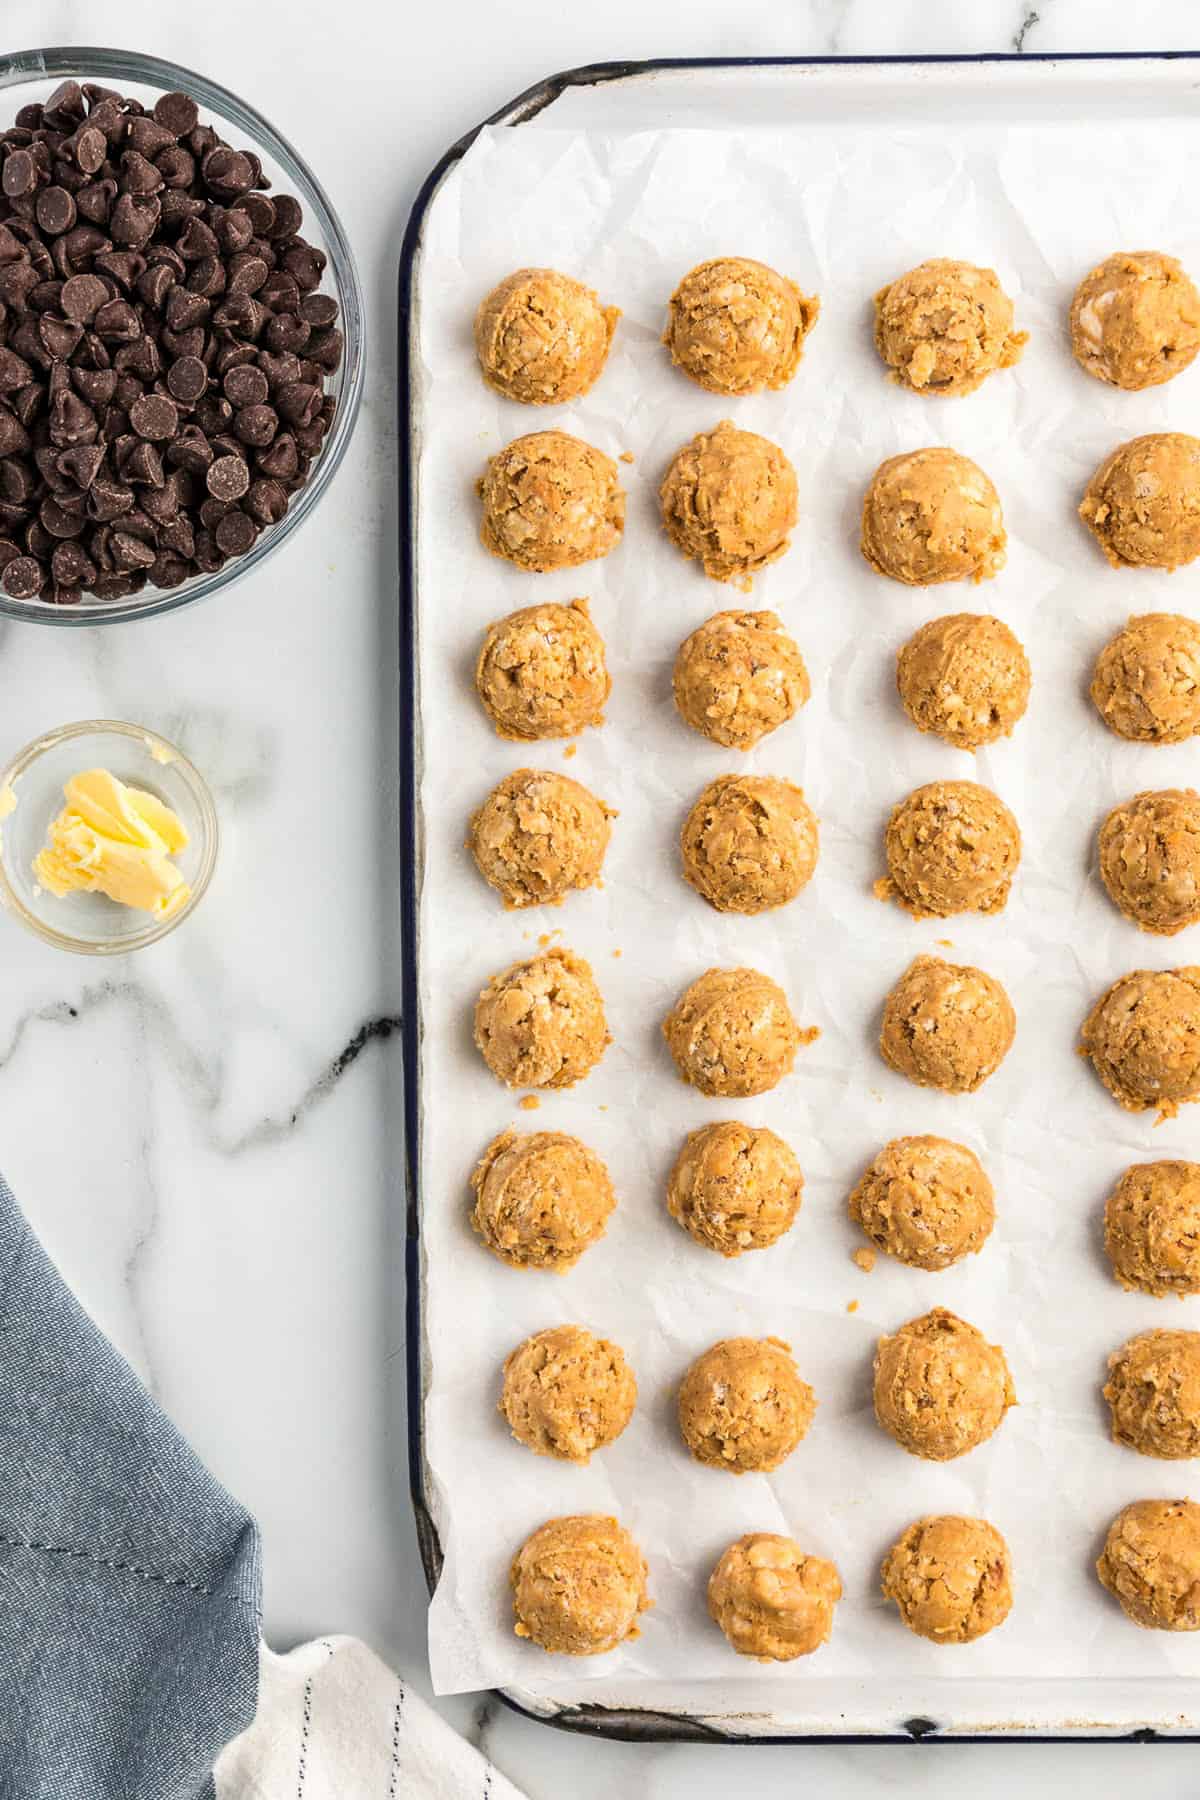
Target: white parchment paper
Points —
{"points": [[841, 212]]}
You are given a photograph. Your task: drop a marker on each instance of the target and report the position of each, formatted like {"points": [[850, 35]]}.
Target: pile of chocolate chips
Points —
{"points": [[163, 347]]}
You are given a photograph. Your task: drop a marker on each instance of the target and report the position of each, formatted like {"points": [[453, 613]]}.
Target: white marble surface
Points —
{"points": [[194, 1133]]}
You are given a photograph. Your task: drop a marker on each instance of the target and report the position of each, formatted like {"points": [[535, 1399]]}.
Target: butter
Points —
{"points": [[115, 840]]}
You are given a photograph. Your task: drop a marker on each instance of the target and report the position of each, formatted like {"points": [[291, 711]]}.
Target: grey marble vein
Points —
{"points": [[201, 1078]]}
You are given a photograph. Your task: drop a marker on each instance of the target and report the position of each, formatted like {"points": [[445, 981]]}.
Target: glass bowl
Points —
{"points": [[30, 75], [31, 795]]}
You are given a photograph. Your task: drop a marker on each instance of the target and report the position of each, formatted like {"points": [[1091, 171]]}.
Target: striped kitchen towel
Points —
{"points": [[130, 1586], [334, 1724]]}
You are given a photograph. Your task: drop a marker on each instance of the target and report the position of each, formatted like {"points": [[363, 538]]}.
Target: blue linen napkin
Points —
{"points": [[129, 1580]]}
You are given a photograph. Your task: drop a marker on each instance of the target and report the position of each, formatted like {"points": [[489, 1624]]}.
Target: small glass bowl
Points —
{"points": [[92, 924], [30, 75]]}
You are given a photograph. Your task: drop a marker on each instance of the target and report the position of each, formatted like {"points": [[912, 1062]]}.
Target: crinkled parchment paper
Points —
{"points": [[841, 212]]}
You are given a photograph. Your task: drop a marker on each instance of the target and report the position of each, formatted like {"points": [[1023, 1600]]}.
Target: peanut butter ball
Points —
{"points": [[541, 1199], [1151, 1564], [946, 1025], [940, 1388], [732, 1034], [743, 1407], [542, 338], [541, 672], [540, 1023], [964, 677], [735, 1187], [771, 1600], [931, 516], [1135, 319], [578, 1585], [926, 1201], [1146, 686], [952, 847], [1153, 1393], [1152, 1229], [1143, 1036], [729, 501], [538, 835], [739, 676], [951, 1578], [567, 1393], [945, 326], [1150, 859], [1142, 505], [550, 501], [749, 843], [735, 326]]}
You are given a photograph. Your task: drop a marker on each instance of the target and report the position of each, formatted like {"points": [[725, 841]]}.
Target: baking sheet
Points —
{"points": [[841, 212]]}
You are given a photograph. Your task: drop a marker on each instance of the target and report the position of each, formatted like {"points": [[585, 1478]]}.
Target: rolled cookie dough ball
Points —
{"points": [[951, 1578], [578, 1585], [945, 326], [538, 835], [1150, 859], [926, 1201], [1135, 319], [540, 1023], [1153, 1393], [749, 843], [946, 1025], [735, 1187], [1142, 505], [732, 1034], [931, 516], [1143, 1036], [542, 338], [550, 501], [540, 1199], [743, 1407], [567, 1393], [541, 672], [1146, 686], [735, 326], [964, 677], [952, 847], [1151, 1564], [940, 1388], [738, 676], [729, 501], [771, 1600], [1152, 1229]]}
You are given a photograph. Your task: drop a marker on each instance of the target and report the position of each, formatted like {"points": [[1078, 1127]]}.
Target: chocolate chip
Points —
{"points": [[318, 309], [129, 552], [90, 148], [235, 533], [14, 371], [18, 177], [83, 296], [245, 385], [289, 216], [22, 579], [228, 478], [155, 417], [266, 500], [138, 174], [177, 112], [55, 210], [13, 435], [256, 425], [187, 379], [227, 172]]}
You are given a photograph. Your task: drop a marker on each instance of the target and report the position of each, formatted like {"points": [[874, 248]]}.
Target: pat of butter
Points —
{"points": [[115, 840]]}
